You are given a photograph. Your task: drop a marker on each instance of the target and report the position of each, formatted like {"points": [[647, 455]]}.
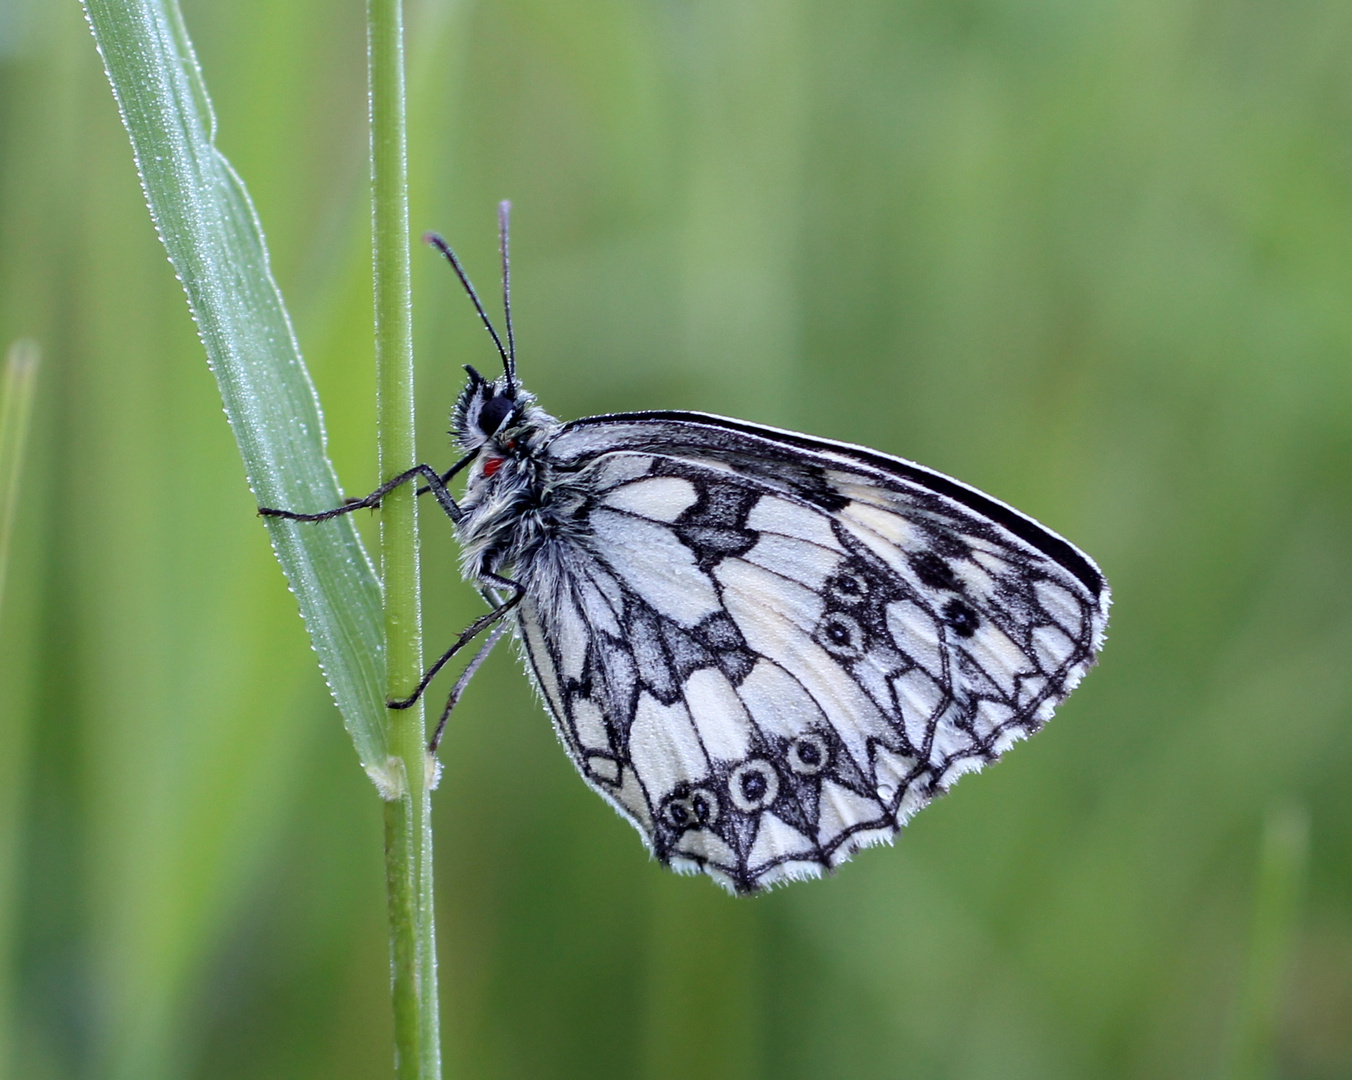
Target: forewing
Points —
{"points": [[769, 654]]}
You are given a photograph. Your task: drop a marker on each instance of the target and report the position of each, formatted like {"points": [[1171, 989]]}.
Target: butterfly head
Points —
{"points": [[497, 417], [486, 407]]}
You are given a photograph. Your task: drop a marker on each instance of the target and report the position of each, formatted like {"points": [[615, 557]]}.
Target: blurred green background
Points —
{"points": [[1094, 257]]}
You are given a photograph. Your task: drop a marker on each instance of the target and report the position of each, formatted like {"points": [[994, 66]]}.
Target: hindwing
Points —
{"points": [[768, 651]]}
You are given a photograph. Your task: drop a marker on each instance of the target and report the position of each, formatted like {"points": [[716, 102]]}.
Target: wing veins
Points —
{"points": [[1037, 536]]}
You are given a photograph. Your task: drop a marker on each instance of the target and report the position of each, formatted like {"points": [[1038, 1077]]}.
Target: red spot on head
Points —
{"points": [[492, 465]]}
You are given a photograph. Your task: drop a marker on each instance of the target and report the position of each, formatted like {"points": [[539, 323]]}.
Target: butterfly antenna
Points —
{"points": [[445, 248], [504, 214]]}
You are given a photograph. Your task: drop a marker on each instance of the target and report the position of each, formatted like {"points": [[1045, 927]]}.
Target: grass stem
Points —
{"points": [[408, 829]]}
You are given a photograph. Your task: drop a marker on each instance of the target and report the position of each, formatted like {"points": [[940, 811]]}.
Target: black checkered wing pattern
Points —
{"points": [[768, 651]]}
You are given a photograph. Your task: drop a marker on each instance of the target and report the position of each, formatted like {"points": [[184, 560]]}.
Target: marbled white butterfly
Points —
{"points": [[764, 649]]}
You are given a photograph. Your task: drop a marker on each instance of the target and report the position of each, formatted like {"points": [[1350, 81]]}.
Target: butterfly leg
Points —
{"points": [[495, 635], [436, 483], [477, 627]]}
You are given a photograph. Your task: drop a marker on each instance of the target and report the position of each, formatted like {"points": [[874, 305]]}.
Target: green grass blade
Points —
{"points": [[215, 243], [16, 406], [1283, 864], [17, 383]]}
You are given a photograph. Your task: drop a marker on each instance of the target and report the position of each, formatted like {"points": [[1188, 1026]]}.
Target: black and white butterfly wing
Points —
{"points": [[768, 651]]}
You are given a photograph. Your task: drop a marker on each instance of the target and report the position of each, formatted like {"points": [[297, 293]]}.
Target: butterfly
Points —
{"points": [[765, 650]]}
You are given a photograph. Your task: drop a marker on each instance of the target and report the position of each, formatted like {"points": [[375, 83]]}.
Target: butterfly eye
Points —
{"points": [[753, 785], [808, 754], [840, 635], [493, 412], [962, 618], [847, 588]]}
